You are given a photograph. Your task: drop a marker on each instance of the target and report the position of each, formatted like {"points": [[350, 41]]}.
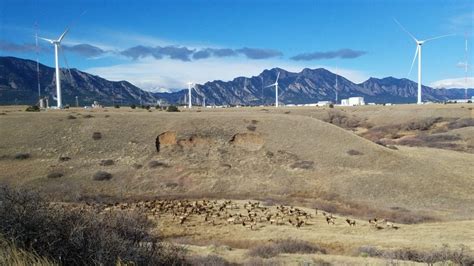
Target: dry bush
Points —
{"points": [[64, 158], [11, 255], [251, 128], [81, 236], [306, 165], [209, 260], [459, 256], [354, 152], [439, 137], [96, 135], [264, 251], [421, 124], [88, 116], [285, 246], [155, 164], [71, 117], [342, 120], [461, 122], [22, 156], [102, 176], [137, 166], [106, 162], [55, 175]]}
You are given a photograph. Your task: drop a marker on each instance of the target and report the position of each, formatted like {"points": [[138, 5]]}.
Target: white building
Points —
{"points": [[323, 103], [353, 101]]}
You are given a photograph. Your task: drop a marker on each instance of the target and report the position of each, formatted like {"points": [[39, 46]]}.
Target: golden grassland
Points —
{"points": [[292, 157]]}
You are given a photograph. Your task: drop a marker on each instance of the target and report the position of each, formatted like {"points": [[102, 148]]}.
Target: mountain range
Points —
{"points": [[18, 85]]}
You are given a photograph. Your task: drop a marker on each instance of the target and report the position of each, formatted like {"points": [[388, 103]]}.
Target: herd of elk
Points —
{"points": [[250, 214]]}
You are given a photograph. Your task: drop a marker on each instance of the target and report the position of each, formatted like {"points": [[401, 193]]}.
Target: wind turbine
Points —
{"points": [[189, 93], [57, 44], [419, 43], [276, 89]]}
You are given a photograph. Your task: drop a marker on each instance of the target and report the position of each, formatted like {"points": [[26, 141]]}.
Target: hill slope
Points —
{"points": [[258, 155]]}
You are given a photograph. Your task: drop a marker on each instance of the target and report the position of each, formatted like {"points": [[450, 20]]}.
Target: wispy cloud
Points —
{"points": [[14, 47], [342, 53], [462, 23], [85, 50]]}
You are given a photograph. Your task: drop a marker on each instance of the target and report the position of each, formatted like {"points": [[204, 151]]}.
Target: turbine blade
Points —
{"points": [[278, 76], [271, 85], [48, 40], [405, 30], [62, 35], [438, 37], [414, 58]]}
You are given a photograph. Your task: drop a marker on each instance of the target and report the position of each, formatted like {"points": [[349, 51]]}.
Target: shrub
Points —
{"points": [[64, 158], [251, 127], [88, 116], [133, 106], [102, 176], [148, 107], [285, 246], [354, 152], [55, 175], [96, 135], [106, 162], [81, 236], [422, 124], [157, 107], [263, 251], [117, 106], [71, 117], [172, 108], [462, 122], [32, 108], [306, 165], [137, 166], [331, 105], [22, 156], [11, 255], [459, 256], [155, 164]]}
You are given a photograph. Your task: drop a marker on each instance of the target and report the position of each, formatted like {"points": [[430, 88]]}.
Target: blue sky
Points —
{"points": [[164, 44]]}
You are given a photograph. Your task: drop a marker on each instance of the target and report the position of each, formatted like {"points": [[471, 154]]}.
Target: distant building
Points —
{"points": [[324, 103], [353, 101]]}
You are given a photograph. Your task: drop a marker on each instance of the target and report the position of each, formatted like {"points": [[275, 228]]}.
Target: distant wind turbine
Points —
{"points": [[189, 93], [57, 44], [276, 89], [418, 53]]}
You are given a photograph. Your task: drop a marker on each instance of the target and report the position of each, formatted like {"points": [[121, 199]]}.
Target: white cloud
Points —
{"points": [[453, 83], [151, 74]]}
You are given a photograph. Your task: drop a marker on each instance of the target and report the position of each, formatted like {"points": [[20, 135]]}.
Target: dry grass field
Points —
{"points": [[412, 165]]}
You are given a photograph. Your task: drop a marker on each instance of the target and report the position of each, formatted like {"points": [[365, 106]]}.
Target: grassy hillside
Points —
{"points": [[290, 157]]}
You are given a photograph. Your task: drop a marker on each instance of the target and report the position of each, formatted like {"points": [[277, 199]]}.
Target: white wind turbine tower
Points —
{"points": [[57, 44], [418, 53], [189, 93], [276, 89]]}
